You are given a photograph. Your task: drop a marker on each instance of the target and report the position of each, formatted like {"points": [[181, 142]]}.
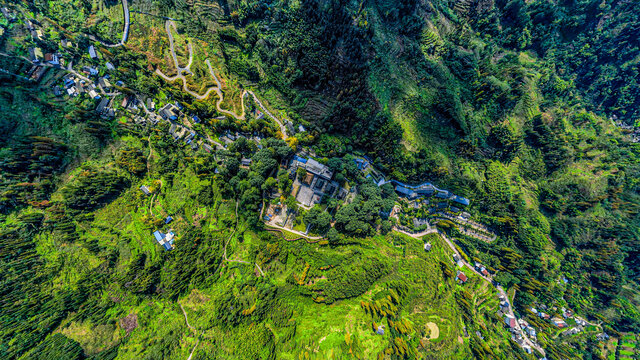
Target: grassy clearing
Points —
{"points": [[93, 338]]}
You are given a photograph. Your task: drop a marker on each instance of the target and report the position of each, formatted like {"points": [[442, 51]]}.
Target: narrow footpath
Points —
{"points": [[195, 332], [224, 254]]}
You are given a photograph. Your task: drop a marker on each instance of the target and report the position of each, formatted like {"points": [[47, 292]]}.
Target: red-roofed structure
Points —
{"points": [[510, 321], [462, 277]]}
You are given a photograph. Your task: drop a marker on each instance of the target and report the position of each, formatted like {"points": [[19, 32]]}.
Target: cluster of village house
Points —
{"points": [[38, 58], [516, 326], [88, 81], [559, 322], [97, 87], [73, 84], [317, 183], [308, 190], [520, 328], [172, 113]]}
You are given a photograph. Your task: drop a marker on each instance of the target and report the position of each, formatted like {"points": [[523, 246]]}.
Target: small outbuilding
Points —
{"points": [[166, 240], [462, 278], [510, 321], [92, 52]]}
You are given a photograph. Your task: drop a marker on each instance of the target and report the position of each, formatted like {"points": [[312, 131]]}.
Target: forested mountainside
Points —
{"points": [[165, 166]]}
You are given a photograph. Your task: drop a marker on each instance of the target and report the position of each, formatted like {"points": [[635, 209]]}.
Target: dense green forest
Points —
{"points": [[515, 104], [508, 101]]}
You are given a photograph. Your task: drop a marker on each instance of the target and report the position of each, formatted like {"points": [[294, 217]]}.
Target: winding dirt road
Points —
{"points": [[170, 24], [181, 70], [218, 88], [221, 96]]}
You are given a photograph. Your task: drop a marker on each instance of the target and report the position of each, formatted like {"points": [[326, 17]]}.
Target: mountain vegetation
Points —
{"points": [[521, 106]]}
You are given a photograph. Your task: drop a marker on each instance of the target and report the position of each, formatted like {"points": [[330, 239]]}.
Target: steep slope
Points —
{"points": [[490, 99]]}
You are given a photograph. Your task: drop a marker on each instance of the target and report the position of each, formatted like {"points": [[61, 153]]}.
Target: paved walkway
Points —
{"points": [[294, 232], [415, 235]]}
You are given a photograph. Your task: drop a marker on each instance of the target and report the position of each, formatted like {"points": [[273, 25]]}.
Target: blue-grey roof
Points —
{"points": [[300, 159], [361, 163], [167, 246], [461, 200], [168, 220], [159, 236], [403, 190]]}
